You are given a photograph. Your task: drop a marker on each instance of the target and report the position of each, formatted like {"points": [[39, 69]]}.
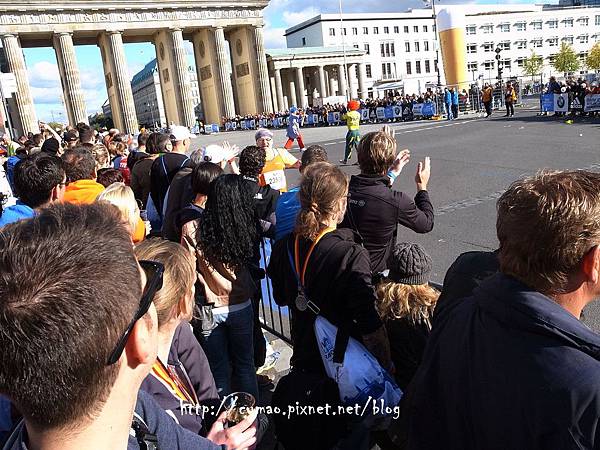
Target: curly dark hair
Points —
{"points": [[228, 231], [79, 164], [252, 161]]}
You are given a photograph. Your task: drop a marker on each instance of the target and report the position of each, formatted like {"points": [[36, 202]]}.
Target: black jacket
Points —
{"points": [[180, 196], [507, 369], [163, 170], [338, 280], [375, 210]]}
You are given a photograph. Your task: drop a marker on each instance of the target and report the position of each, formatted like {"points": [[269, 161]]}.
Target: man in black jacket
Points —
{"points": [[374, 209]]}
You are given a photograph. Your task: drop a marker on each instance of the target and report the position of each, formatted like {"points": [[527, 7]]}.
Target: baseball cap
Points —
{"points": [[180, 133], [262, 132]]}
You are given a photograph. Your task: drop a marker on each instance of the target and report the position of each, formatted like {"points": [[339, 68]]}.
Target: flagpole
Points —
{"points": [[344, 52]]}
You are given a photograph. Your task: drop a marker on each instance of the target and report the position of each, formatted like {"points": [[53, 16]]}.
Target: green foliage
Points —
{"points": [[566, 60], [593, 58], [533, 65]]}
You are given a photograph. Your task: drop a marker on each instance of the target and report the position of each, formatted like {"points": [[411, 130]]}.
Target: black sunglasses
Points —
{"points": [[154, 279]]}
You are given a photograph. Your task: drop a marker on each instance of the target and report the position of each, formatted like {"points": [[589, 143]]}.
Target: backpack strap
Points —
{"points": [[145, 439]]}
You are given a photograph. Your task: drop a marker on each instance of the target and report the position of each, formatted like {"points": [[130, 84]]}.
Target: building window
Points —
{"points": [[396, 29], [354, 31], [537, 25], [427, 66], [551, 59], [537, 43], [505, 63], [520, 26], [584, 39], [520, 62], [598, 21], [303, 41], [583, 21], [332, 32], [488, 65], [471, 48], [367, 49], [488, 47], [416, 28], [553, 42], [568, 23], [386, 30], [504, 28], [375, 30], [424, 28], [392, 49], [504, 45], [408, 68], [368, 70], [471, 30], [407, 47], [426, 46], [521, 44], [344, 31], [356, 46], [553, 23], [488, 29], [418, 66], [417, 46], [386, 71], [382, 46], [365, 30], [583, 57], [471, 66], [568, 40]]}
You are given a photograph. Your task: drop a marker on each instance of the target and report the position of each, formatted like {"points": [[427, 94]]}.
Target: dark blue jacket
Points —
{"points": [[506, 369]]}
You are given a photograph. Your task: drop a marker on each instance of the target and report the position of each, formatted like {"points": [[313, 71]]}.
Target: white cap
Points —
{"points": [[213, 153], [450, 17], [180, 133]]}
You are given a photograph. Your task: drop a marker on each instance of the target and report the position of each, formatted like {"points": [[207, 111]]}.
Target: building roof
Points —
{"points": [[311, 51], [148, 71]]}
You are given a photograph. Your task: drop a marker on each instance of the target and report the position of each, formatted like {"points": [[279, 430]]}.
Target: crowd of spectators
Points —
{"points": [[130, 285]]}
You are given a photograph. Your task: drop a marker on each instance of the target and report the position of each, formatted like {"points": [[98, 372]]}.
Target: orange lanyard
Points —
{"points": [[165, 374], [310, 250]]}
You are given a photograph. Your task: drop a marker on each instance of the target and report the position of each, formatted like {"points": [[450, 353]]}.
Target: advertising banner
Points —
{"points": [[380, 112], [561, 102], [364, 114], [592, 102], [389, 112], [547, 102], [397, 111]]}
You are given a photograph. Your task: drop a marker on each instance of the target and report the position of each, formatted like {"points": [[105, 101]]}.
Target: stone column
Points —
{"points": [[69, 74], [183, 85], [274, 103], [322, 84], [279, 88], [263, 71], [302, 103], [331, 85], [362, 76], [122, 83], [342, 87], [352, 84], [224, 79], [293, 99], [16, 65]]}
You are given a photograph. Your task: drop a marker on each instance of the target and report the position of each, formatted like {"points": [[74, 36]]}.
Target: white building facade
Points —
{"points": [[402, 47], [148, 99]]}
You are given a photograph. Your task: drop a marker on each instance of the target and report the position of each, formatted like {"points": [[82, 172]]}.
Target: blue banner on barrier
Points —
{"points": [[315, 118], [207, 129], [389, 112], [364, 114], [333, 117], [215, 128], [547, 102], [310, 120], [276, 122], [428, 109]]}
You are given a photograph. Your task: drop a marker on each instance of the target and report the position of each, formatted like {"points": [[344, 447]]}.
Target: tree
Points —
{"points": [[533, 65], [593, 58], [566, 60]]}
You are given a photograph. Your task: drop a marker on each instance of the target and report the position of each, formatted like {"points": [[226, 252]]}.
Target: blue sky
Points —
{"points": [[279, 15]]}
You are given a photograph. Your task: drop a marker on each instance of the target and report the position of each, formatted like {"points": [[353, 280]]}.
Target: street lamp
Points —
{"points": [[498, 50], [151, 106], [435, 43], [344, 52]]}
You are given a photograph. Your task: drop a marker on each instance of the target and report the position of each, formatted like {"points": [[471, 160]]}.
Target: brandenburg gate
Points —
{"points": [[210, 25]]}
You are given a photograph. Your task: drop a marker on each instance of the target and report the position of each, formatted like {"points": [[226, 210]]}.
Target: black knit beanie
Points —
{"points": [[409, 264], [51, 146]]}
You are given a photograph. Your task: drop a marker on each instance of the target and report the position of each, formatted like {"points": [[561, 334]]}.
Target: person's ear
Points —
{"points": [[591, 264], [142, 344]]}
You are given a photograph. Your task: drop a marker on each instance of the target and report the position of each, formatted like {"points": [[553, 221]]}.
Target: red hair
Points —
{"points": [[353, 105]]}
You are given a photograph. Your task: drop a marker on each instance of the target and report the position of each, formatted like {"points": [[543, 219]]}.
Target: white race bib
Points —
{"points": [[275, 179]]}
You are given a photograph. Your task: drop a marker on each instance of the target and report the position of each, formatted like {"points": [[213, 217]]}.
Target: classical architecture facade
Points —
{"points": [[300, 76], [211, 26]]}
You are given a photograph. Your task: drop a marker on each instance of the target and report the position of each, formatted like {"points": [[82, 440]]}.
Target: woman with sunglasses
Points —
{"points": [[181, 375], [223, 242]]}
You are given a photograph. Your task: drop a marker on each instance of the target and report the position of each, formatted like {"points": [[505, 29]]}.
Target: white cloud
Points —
{"points": [[291, 18]]}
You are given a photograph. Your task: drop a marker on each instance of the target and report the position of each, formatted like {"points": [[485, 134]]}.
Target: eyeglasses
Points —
{"points": [[154, 274]]}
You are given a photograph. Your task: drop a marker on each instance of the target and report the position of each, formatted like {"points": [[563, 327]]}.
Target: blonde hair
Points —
{"points": [[376, 152], [121, 196], [399, 301], [178, 279], [322, 187]]}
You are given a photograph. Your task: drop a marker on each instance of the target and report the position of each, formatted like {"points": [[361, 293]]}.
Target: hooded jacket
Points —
{"points": [[82, 192], [375, 210], [17, 212], [508, 368]]}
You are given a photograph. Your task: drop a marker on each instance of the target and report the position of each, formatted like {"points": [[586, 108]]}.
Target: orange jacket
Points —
{"points": [[82, 192]]}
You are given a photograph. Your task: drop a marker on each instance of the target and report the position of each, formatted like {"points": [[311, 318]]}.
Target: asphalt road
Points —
{"points": [[473, 161]]}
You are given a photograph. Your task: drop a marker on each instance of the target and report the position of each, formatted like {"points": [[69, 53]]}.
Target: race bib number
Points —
{"points": [[275, 179]]}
